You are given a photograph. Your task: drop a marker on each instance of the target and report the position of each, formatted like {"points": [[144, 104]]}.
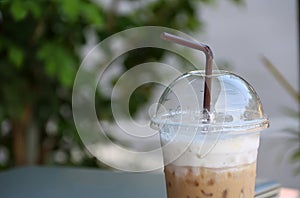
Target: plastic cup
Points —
{"points": [[210, 153]]}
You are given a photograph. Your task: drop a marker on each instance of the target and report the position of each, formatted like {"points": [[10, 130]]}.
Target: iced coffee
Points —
{"points": [[228, 170], [210, 156], [209, 123]]}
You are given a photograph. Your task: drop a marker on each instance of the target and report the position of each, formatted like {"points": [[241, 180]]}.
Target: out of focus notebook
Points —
{"points": [[266, 188]]}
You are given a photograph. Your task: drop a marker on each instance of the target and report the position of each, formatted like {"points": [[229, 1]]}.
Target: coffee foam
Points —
{"points": [[217, 152]]}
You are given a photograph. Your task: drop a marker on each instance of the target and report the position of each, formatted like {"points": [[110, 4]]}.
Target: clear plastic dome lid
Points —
{"points": [[234, 104]]}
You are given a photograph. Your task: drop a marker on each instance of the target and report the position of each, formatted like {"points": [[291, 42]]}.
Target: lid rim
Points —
{"points": [[251, 126]]}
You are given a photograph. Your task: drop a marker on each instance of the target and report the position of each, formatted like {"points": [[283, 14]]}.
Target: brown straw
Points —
{"points": [[208, 64]]}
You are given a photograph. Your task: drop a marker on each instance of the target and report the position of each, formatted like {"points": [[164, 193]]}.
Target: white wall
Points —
{"points": [[241, 34]]}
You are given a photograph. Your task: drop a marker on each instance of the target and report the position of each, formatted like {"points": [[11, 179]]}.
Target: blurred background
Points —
{"points": [[42, 44]]}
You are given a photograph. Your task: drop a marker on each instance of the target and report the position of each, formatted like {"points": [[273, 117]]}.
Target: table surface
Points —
{"points": [[78, 182]]}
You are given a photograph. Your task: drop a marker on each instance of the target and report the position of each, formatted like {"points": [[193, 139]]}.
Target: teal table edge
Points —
{"points": [[65, 182]]}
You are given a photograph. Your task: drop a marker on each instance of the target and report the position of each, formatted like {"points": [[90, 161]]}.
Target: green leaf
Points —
{"points": [[67, 71], [92, 14], [16, 56], [71, 8], [35, 8], [18, 10], [240, 2], [44, 55], [50, 67], [209, 2], [58, 62], [296, 156]]}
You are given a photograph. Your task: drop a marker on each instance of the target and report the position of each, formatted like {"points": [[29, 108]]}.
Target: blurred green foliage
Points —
{"points": [[40, 44]]}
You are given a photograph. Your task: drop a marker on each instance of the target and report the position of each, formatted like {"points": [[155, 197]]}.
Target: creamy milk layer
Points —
{"points": [[215, 151]]}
